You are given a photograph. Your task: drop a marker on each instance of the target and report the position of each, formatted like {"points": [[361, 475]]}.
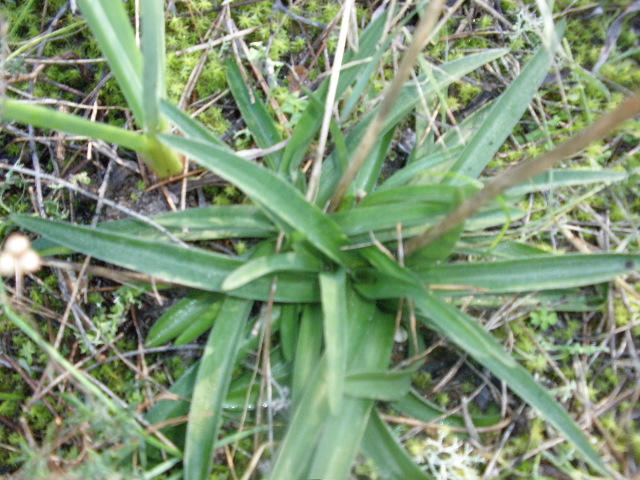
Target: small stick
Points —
{"points": [[525, 171]]}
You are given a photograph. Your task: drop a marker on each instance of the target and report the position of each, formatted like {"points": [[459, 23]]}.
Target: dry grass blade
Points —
{"points": [[422, 34], [314, 180], [525, 171]]}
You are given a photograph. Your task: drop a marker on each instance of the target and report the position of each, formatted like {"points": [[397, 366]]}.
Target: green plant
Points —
{"points": [[140, 76], [332, 284]]}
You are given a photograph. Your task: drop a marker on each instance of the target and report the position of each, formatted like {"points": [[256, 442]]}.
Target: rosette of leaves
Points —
{"points": [[332, 285]]}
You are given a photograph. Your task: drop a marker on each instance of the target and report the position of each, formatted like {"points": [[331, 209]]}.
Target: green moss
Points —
{"points": [[422, 380]]}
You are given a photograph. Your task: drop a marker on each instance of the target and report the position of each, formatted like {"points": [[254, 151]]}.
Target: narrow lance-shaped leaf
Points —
{"points": [[112, 29], [384, 385], [473, 339], [189, 126], [333, 286], [189, 266], [269, 190], [311, 119], [43, 117], [261, 266], [541, 272], [409, 98], [194, 308], [370, 343], [153, 57], [477, 342], [254, 113], [501, 120], [212, 384], [390, 459]]}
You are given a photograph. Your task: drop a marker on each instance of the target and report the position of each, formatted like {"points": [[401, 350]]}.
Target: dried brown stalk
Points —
{"points": [[525, 171]]}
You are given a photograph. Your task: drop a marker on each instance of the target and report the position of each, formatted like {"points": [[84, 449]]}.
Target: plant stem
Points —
{"points": [[525, 171]]}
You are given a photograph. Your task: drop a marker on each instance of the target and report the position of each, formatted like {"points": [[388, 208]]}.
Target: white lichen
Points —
{"points": [[446, 457]]}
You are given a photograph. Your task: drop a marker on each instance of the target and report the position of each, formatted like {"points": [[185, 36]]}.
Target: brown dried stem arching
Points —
{"points": [[525, 171]]}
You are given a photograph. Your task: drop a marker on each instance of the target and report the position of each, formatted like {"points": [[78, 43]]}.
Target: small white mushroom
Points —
{"points": [[16, 244], [30, 261], [7, 264], [401, 335], [18, 256]]}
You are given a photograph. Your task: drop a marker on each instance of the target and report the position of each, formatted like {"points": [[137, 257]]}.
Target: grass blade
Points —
{"points": [[542, 272], [565, 178], [409, 98], [189, 126], [311, 119], [254, 113], [370, 340], [259, 267], [212, 384], [289, 329], [110, 25], [465, 332], [49, 118], [473, 339], [308, 350], [391, 460], [204, 223], [340, 441], [385, 385], [195, 307], [189, 266], [415, 406], [502, 119], [305, 427], [269, 190], [333, 288], [153, 58]]}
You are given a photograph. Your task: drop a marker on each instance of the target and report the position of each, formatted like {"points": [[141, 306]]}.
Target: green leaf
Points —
{"points": [[333, 287], [384, 385], [43, 117], [440, 194], [410, 96], [415, 406], [110, 26], [565, 178], [370, 334], [261, 266], [196, 307], [505, 113], [308, 350], [425, 170], [369, 176], [477, 342], [319, 444], [390, 459], [270, 191], [541, 272], [189, 266], [258, 120], [465, 332], [289, 328], [305, 426], [189, 126], [340, 441], [212, 384], [382, 220], [204, 223], [153, 57], [311, 119]]}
